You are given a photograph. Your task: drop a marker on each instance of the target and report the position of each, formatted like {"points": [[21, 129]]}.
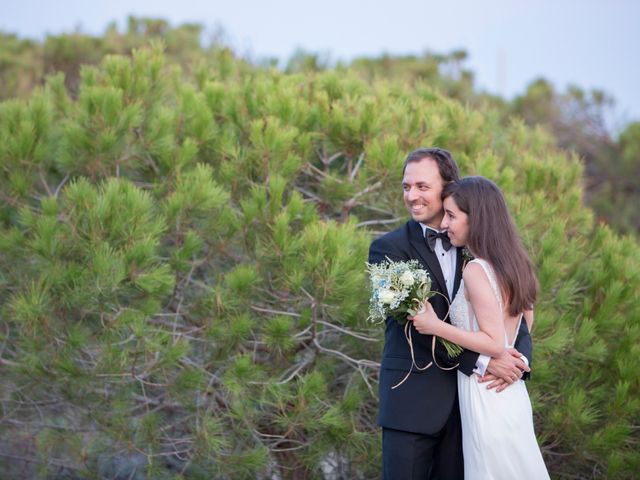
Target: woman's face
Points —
{"points": [[455, 222]]}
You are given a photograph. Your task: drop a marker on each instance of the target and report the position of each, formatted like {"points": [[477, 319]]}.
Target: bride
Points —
{"points": [[498, 290]]}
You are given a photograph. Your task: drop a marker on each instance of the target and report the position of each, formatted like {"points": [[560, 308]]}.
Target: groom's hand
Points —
{"points": [[504, 370]]}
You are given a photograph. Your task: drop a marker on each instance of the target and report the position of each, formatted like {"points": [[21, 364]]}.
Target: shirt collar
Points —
{"points": [[424, 229]]}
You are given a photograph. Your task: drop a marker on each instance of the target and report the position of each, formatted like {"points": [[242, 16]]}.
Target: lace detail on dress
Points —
{"points": [[460, 310]]}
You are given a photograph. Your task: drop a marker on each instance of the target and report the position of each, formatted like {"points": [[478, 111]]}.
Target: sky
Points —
{"points": [[594, 44]]}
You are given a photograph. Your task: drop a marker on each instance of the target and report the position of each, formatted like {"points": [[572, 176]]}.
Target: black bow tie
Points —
{"points": [[432, 236]]}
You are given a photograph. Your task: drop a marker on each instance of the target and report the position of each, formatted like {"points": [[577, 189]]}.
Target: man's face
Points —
{"points": [[422, 185]]}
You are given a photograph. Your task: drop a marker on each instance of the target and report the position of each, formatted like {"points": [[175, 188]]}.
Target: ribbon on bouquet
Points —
{"points": [[407, 335]]}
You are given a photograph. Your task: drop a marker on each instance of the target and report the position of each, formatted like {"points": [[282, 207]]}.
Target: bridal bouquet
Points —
{"points": [[398, 290]]}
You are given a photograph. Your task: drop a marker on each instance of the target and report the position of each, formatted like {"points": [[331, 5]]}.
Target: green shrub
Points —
{"points": [[182, 274]]}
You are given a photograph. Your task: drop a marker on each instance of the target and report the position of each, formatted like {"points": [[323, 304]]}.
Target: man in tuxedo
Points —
{"points": [[420, 419]]}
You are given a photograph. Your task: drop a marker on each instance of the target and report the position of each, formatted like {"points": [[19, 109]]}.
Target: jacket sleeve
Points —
{"points": [[467, 361], [524, 344]]}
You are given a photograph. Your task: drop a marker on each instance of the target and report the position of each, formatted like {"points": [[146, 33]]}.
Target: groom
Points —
{"points": [[420, 420]]}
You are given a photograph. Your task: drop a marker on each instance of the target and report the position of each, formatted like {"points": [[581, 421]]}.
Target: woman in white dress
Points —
{"points": [[498, 290]]}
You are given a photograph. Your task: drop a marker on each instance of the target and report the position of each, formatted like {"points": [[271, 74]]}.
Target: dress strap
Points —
{"points": [[488, 269]]}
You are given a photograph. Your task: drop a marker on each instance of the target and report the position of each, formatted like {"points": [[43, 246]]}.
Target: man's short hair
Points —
{"points": [[447, 166]]}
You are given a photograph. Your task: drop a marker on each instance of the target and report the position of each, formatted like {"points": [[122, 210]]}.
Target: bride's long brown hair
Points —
{"points": [[493, 237]]}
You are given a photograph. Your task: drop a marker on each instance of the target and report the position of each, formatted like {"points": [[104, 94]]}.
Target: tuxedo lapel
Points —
{"points": [[459, 265], [416, 238]]}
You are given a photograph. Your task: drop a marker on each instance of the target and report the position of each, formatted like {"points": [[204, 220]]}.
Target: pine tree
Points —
{"points": [[182, 273]]}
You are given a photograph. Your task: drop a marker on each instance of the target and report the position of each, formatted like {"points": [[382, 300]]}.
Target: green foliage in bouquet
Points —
{"points": [[182, 292]]}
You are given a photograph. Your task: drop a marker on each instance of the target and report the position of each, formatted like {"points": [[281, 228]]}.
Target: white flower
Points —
{"points": [[422, 276], [407, 278], [386, 296]]}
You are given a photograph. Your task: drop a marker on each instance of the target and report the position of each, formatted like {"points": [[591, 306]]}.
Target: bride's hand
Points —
{"points": [[426, 320]]}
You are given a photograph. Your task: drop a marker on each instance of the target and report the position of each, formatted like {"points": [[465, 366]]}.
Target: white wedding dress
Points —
{"points": [[498, 440]]}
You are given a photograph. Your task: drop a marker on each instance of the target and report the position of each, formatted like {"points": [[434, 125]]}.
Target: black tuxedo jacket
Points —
{"points": [[424, 401]]}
